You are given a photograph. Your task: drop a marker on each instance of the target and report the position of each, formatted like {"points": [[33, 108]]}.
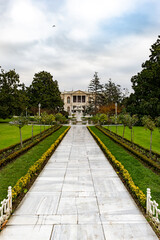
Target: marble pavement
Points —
{"points": [[78, 196]]}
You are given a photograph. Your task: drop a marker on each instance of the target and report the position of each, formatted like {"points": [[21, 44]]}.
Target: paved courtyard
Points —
{"points": [[78, 196]]}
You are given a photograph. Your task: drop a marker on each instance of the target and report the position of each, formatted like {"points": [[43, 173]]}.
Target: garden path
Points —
{"points": [[78, 196]]}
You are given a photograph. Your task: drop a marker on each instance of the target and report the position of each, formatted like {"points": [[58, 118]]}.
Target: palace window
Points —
{"points": [[68, 109], [68, 99], [79, 98], [83, 98], [74, 98]]}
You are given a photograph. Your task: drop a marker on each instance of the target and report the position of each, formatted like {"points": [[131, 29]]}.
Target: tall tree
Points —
{"points": [[13, 98], [112, 93], [96, 88], [45, 91], [146, 97]]}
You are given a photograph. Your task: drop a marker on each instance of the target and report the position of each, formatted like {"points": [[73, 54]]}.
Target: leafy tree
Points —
{"points": [[124, 118], [20, 122], [60, 118], [131, 121], [150, 125], [146, 97], [45, 91], [112, 93], [103, 118], [96, 88], [13, 99]]}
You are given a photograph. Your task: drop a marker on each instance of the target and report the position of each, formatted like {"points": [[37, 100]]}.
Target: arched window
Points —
{"points": [[68, 109], [68, 99]]}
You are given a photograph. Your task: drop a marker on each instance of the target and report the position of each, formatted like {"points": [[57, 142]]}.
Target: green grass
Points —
{"points": [[10, 134], [141, 136], [10, 174], [142, 176]]}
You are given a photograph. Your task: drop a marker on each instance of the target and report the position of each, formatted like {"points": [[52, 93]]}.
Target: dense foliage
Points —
{"points": [[13, 99], [45, 91], [16, 99], [146, 85]]}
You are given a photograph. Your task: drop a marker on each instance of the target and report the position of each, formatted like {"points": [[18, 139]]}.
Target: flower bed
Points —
{"points": [[35, 168], [12, 156], [145, 159], [140, 196]]}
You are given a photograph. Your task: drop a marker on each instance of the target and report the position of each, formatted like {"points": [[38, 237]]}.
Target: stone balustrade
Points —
{"points": [[6, 207], [152, 208]]}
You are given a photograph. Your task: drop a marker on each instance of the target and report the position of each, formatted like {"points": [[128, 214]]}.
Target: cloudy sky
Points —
{"points": [[111, 37]]}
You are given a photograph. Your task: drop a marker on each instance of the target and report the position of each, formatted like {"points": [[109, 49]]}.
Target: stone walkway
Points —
{"points": [[78, 196]]}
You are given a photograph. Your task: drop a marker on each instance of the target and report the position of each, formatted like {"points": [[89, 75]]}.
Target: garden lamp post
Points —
{"points": [[39, 107], [115, 112]]}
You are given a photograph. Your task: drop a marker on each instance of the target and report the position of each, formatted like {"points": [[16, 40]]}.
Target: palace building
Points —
{"points": [[75, 102]]}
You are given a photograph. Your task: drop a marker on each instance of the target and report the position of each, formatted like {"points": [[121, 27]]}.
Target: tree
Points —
{"points": [[146, 97], [112, 93], [150, 125], [96, 88], [103, 118], [20, 122], [124, 119], [13, 99], [131, 121], [45, 91]]}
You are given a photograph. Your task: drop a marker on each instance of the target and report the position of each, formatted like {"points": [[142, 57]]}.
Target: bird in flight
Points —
{"points": [[53, 25]]}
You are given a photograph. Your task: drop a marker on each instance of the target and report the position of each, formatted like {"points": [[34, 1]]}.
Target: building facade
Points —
{"points": [[75, 102]]}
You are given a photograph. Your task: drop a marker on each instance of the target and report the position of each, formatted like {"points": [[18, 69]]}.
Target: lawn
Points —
{"points": [[10, 134], [10, 174], [142, 176], [141, 136]]}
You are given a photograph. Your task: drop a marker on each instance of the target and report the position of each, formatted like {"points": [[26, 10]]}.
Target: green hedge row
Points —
{"points": [[12, 156], [138, 147], [148, 161]]}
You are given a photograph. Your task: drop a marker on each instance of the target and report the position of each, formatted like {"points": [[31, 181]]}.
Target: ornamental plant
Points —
{"points": [[20, 122], [150, 125]]}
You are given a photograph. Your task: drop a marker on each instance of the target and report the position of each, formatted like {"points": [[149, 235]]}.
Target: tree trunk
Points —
{"points": [[151, 144], [20, 137], [116, 128]]}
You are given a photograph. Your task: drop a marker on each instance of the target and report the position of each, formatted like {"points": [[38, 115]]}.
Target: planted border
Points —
{"points": [[35, 168], [140, 148], [154, 165], [14, 155], [24, 141], [140, 196]]}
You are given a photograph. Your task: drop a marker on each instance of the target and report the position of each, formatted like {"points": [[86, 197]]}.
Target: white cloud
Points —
{"points": [[74, 49]]}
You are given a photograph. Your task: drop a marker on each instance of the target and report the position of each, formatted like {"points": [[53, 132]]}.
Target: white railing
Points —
{"points": [[152, 208], [6, 207]]}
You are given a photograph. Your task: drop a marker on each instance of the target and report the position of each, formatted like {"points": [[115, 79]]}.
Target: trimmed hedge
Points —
{"points": [[14, 155], [141, 149], [154, 165], [35, 168], [140, 196]]}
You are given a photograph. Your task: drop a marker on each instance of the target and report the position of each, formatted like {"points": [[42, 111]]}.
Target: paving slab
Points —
{"points": [[78, 196]]}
